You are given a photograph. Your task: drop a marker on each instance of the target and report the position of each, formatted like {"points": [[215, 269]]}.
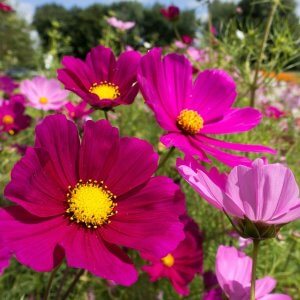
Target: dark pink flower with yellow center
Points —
{"points": [[191, 112], [83, 199], [12, 117], [102, 80], [181, 265]]}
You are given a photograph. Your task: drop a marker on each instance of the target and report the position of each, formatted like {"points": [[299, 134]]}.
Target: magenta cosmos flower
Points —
{"points": [[78, 110], [265, 194], [189, 113], [12, 117], [101, 80], [113, 21], [43, 93], [82, 200], [171, 13], [181, 265], [233, 270], [7, 85]]}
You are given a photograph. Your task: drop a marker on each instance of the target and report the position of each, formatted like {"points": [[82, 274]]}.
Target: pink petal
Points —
{"points": [[264, 286], [59, 137], [135, 164], [33, 240], [85, 249]]}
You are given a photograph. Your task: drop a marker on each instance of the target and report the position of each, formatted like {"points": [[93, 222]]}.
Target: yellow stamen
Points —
{"points": [[90, 203], [189, 121], [168, 260], [105, 90], [43, 100], [8, 119]]}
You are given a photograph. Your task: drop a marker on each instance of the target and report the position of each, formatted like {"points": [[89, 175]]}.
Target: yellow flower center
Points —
{"points": [[168, 260], [189, 121], [43, 100], [105, 90], [90, 203], [8, 119]]}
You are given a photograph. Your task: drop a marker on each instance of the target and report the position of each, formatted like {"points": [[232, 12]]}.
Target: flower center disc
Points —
{"points": [[8, 119], [43, 100], [90, 203], [189, 121], [105, 90], [168, 260]]}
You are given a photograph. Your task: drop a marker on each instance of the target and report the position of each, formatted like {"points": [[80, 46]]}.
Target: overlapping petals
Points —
{"points": [[182, 264], [39, 230], [167, 86], [115, 79], [266, 193]]}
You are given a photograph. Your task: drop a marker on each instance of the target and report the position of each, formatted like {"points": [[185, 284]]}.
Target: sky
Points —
{"points": [[26, 8]]}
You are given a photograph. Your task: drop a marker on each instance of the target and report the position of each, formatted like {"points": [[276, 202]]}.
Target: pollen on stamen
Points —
{"points": [[105, 90], [189, 121], [90, 203]]}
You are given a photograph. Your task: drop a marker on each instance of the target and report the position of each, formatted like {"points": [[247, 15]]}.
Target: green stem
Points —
{"points": [[62, 283], [106, 115], [261, 52], [254, 264], [167, 156], [50, 281], [72, 285], [177, 34]]}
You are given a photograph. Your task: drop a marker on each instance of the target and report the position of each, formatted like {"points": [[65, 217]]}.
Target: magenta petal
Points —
{"points": [[102, 63], [213, 94], [5, 255], [235, 121], [154, 87], [35, 185], [147, 219], [126, 70], [85, 249], [98, 151], [59, 137], [33, 240], [134, 165]]}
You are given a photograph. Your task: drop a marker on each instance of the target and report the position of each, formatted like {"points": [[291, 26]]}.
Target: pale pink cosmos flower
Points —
{"points": [[233, 270], [44, 94], [267, 195], [119, 24]]}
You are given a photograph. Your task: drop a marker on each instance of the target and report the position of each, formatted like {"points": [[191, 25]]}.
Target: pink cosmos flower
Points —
{"points": [[12, 117], [190, 112], [171, 13], [5, 7], [266, 194], [44, 94], [7, 85], [113, 21], [101, 80], [187, 39], [181, 265], [271, 111], [77, 111], [83, 199], [233, 270]]}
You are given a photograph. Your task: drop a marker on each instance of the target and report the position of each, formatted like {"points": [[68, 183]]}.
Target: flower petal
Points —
{"points": [[85, 249], [33, 240], [59, 137]]}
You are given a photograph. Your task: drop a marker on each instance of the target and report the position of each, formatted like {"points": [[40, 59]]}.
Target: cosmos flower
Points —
{"points": [[101, 80], [171, 13], [261, 198], [233, 270], [181, 265], [12, 117], [5, 7], [77, 111], [44, 94], [7, 85], [83, 199], [272, 111], [189, 112], [113, 21]]}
